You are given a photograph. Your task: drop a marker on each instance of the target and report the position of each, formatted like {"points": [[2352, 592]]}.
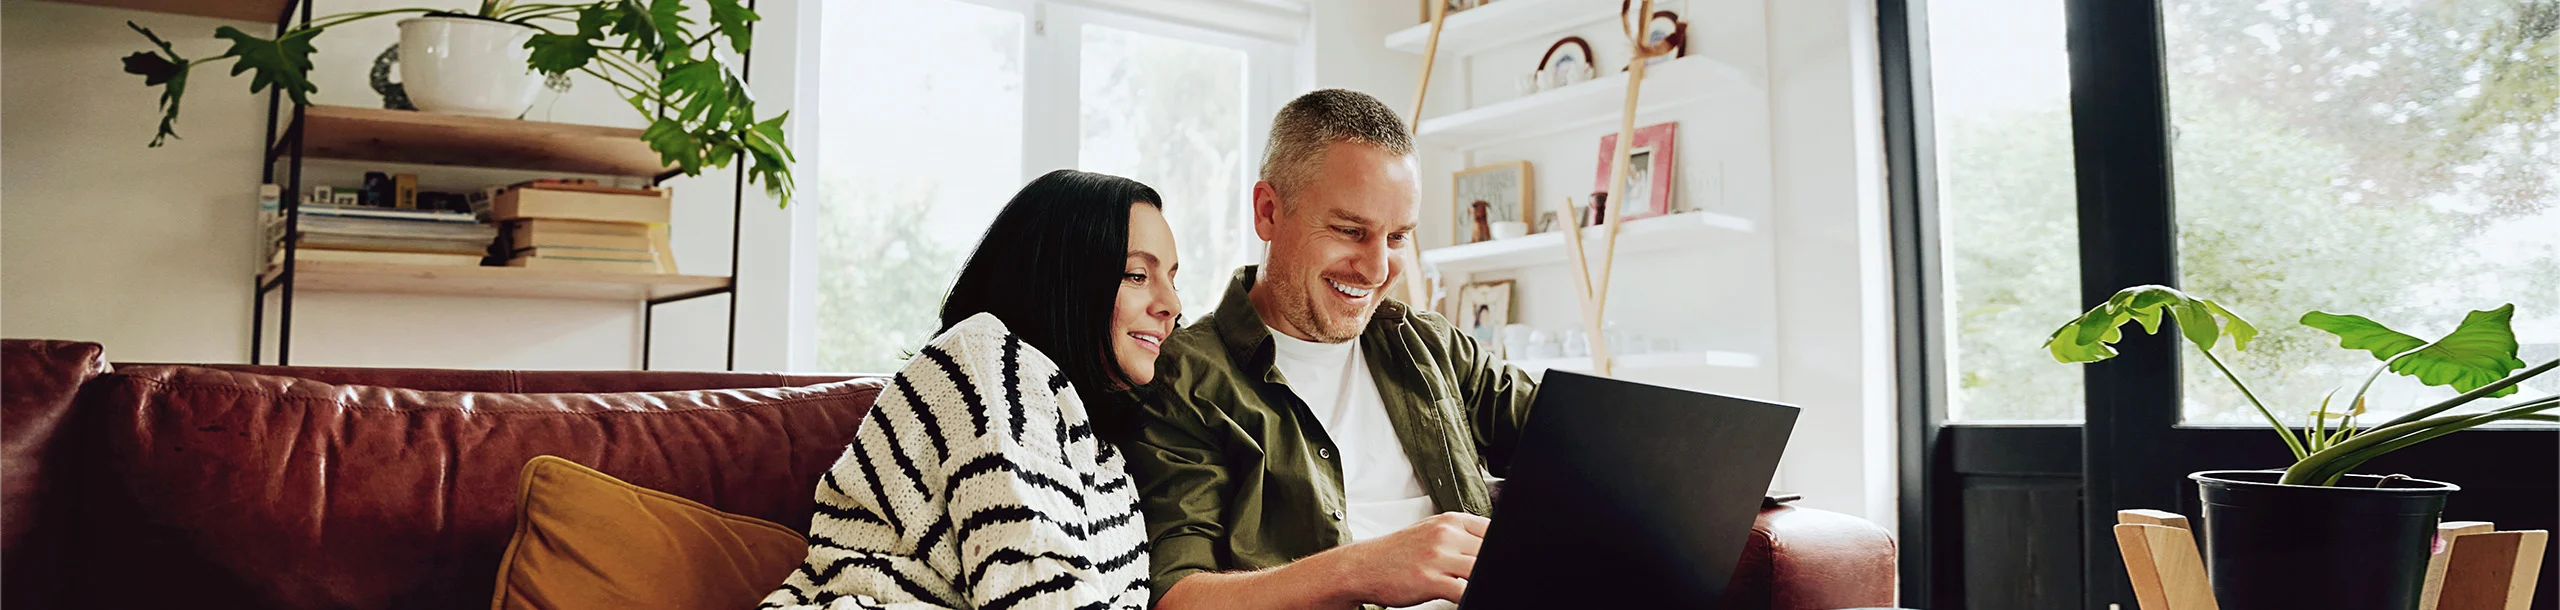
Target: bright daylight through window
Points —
{"points": [[2388, 158], [906, 183], [2001, 86]]}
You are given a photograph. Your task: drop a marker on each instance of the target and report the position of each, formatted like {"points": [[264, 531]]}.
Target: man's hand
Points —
{"points": [[1427, 561]]}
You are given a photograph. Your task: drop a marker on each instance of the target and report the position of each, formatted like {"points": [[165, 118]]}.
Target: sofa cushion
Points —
{"points": [[265, 491], [587, 540], [43, 383]]}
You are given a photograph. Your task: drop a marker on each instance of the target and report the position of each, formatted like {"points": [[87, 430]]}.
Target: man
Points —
{"points": [[1303, 436]]}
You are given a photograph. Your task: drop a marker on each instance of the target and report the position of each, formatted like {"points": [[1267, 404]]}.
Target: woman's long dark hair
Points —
{"points": [[1050, 267]]}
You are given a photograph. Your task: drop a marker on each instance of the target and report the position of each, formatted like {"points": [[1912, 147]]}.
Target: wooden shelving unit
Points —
{"points": [[1637, 237], [1669, 85], [261, 11], [298, 133], [516, 282], [402, 136]]}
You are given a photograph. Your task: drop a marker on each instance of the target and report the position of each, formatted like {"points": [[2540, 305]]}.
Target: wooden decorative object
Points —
{"points": [[2166, 570], [2436, 559], [2493, 571], [2474, 568]]}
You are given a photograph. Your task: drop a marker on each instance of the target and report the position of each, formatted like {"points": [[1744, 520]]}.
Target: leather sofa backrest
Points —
{"points": [[37, 400], [269, 491]]}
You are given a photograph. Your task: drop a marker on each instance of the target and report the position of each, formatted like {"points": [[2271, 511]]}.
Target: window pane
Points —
{"points": [[1170, 113], [2000, 83], [2392, 159], [908, 181]]}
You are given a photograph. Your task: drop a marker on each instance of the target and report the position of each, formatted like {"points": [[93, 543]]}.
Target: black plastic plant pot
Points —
{"points": [[2360, 545]]}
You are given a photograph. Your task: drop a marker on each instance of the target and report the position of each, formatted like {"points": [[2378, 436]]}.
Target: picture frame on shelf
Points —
{"points": [[1489, 201], [1650, 168], [1483, 309]]}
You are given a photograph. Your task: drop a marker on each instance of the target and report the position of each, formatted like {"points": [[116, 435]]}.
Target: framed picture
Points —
{"points": [[1483, 308], [1488, 196], [1649, 170]]}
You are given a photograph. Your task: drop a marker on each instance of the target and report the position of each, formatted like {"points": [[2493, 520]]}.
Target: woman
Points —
{"points": [[985, 476]]}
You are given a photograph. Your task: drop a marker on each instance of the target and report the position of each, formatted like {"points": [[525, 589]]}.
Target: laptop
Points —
{"points": [[1627, 495]]}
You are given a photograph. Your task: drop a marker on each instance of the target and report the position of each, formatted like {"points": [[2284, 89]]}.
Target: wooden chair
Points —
{"points": [[2473, 568]]}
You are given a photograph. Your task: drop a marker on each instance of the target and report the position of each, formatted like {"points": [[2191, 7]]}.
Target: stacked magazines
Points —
{"points": [[343, 233]]}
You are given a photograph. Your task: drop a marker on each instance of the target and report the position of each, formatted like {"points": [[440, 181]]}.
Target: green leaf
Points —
{"points": [[2241, 331], [674, 144], [560, 53], [167, 70], [633, 21], [734, 20], [283, 63], [2479, 351], [2359, 332], [2202, 321]]}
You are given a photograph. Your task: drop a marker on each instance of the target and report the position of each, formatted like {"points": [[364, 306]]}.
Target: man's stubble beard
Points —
{"points": [[1297, 306]]}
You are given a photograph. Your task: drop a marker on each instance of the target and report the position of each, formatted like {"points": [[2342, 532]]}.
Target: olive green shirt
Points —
{"points": [[1234, 471]]}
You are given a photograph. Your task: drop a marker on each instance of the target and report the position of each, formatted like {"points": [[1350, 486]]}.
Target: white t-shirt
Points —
{"points": [[1378, 485]]}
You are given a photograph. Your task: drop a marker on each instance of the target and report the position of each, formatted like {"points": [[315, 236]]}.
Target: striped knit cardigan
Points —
{"points": [[975, 482]]}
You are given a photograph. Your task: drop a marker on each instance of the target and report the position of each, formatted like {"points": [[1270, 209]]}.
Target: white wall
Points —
{"points": [[1798, 157], [150, 251]]}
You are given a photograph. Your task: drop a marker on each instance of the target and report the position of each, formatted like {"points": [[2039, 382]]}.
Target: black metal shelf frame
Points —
{"points": [[289, 148]]}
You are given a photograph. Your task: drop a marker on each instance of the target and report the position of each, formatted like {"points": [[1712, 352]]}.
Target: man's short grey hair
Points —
{"points": [[1305, 127]]}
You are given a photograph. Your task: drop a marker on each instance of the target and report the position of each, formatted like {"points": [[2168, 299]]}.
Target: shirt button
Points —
{"points": [[1337, 514], [1324, 453]]}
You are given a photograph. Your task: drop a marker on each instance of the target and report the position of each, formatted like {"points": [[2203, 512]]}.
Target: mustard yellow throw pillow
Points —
{"points": [[588, 540]]}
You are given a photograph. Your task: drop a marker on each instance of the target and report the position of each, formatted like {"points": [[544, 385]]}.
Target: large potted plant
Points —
{"points": [[670, 68], [2315, 534]]}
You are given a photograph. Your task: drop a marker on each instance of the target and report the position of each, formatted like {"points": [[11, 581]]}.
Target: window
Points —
{"points": [[2001, 92], [1171, 113], [2387, 159], [932, 113], [907, 182]]}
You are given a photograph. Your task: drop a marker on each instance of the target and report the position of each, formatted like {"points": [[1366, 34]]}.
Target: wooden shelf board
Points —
{"points": [[261, 11], [1673, 84], [401, 136], [380, 278], [1638, 236], [1504, 22]]}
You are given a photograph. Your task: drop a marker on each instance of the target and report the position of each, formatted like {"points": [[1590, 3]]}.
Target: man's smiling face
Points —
{"points": [[1335, 242]]}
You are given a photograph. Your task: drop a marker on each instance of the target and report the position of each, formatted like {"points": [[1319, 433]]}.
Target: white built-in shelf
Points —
{"points": [[1637, 236], [1648, 363], [1668, 85], [1504, 22]]}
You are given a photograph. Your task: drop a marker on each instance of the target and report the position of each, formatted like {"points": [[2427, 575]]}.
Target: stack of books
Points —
{"points": [[365, 234], [583, 226]]}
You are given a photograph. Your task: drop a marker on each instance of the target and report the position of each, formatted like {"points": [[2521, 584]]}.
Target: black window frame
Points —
{"points": [[2131, 451]]}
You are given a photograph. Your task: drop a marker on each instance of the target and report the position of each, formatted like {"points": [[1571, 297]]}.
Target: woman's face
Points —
{"points": [[1147, 307]]}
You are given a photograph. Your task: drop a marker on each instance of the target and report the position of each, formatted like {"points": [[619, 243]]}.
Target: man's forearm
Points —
{"points": [[1306, 583]]}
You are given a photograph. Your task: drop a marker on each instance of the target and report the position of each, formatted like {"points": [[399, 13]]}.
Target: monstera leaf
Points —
{"points": [[2479, 351], [2088, 338]]}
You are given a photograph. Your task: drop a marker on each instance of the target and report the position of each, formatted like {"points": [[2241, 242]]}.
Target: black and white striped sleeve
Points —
{"points": [[960, 492]]}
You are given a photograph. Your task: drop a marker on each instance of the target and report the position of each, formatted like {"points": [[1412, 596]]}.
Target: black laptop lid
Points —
{"points": [[1627, 495]]}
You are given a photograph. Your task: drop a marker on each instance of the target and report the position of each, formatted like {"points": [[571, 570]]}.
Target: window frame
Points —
{"points": [[1052, 123], [2131, 450]]}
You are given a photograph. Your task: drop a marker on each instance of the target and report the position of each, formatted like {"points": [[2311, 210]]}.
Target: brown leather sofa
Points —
{"points": [[154, 485]]}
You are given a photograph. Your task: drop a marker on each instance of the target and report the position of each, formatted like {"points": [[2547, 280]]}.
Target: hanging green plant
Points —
{"points": [[668, 67]]}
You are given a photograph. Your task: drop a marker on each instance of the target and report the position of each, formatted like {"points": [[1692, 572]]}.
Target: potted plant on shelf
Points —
{"points": [[2315, 535], [667, 66]]}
